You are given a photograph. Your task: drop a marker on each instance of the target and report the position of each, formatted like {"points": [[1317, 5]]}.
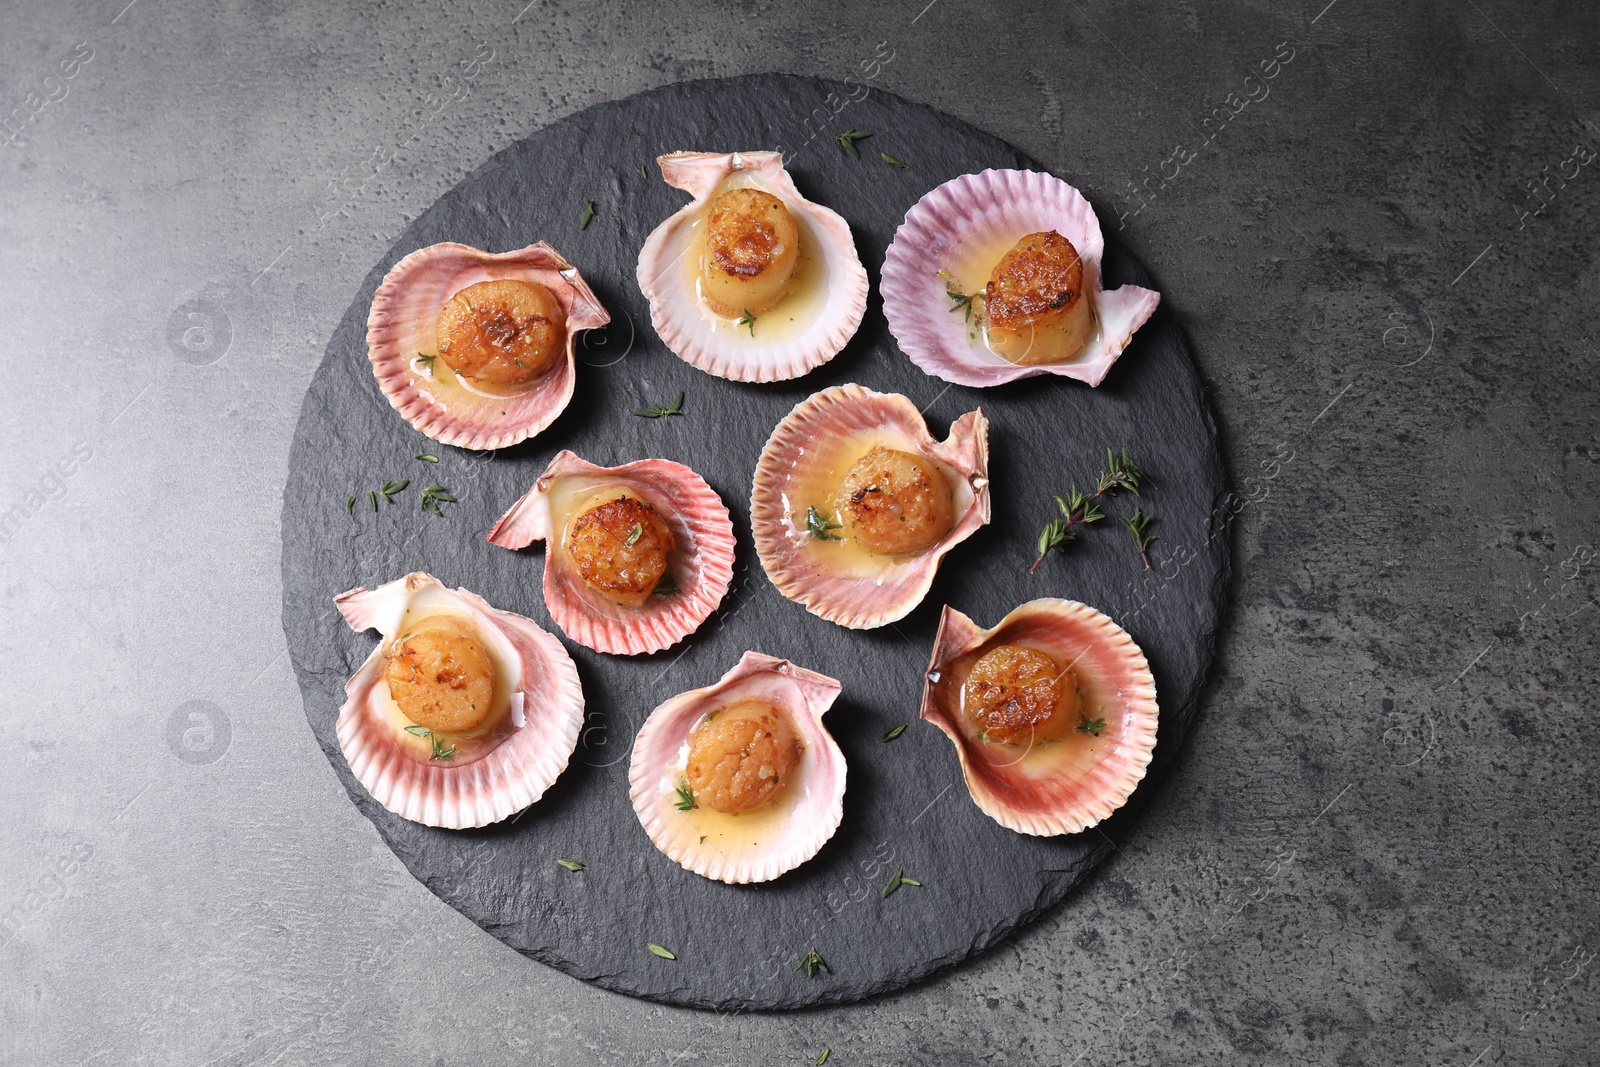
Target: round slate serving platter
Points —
{"points": [[906, 808]]}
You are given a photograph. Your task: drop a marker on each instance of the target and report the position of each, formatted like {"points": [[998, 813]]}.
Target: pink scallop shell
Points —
{"points": [[818, 807], [1060, 800], [702, 563], [401, 324], [686, 327], [860, 602], [975, 207], [507, 779]]}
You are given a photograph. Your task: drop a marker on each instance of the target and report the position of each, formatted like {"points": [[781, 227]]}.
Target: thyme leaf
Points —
{"points": [[897, 880], [819, 527], [663, 953], [373, 499], [961, 302], [427, 457], [894, 732], [662, 411], [439, 751], [1089, 726], [635, 533], [588, 214], [847, 140], [812, 963], [893, 162], [435, 495], [391, 488], [571, 865], [822, 1057], [351, 507]]}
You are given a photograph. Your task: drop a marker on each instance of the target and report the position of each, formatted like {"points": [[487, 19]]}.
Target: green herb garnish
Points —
{"points": [[960, 302], [588, 215], [1080, 509], [814, 963], [662, 411], [1137, 524], [819, 527], [373, 499], [748, 320], [439, 751], [897, 880], [685, 801], [657, 950], [847, 140], [1089, 726], [894, 732], [391, 488], [426, 361], [427, 457], [571, 865], [822, 1057], [351, 507], [635, 533], [642, 172], [893, 162], [435, 495]]}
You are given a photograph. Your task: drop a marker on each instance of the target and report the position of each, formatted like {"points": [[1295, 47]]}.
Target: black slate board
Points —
{"points": [[906, 806]]}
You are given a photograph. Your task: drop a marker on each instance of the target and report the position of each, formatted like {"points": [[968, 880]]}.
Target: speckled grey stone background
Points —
{"points": [[1378, 847]]}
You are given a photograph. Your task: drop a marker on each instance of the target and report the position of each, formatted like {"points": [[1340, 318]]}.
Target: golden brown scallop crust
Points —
{"points": [[741, 756], [1016, 695], [1041, 276], [504, 332], [896, 503], [621, 548], [440, 676]]}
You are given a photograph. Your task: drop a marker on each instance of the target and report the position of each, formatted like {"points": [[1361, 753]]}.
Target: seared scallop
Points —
{"points": [[855, 503], [740, 781], [1052, 712], [750, 281], [636, 556], [463, 714]]}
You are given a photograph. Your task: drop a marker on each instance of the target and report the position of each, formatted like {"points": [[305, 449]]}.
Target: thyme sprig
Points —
{"points": [[1089, 726], [819, 527], [1081, 509], [662, 411], [847, 140], [685, 791], [749, 320], [893, 162], [439, 751], [1137, 524]]}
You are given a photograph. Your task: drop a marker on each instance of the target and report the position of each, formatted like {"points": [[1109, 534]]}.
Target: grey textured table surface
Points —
{"points": [[1377, 228]]}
